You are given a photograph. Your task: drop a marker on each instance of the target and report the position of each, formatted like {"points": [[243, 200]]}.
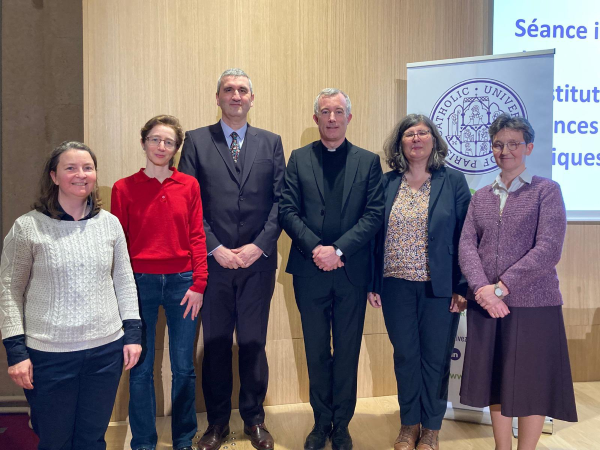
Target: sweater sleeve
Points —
{"points": [[549, 238], [468, 256], [118, 207], [198, 242], [15, 269], [462, 202], [122, 275]]}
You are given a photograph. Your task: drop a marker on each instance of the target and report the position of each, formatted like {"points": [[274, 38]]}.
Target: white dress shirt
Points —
{"points": [[500, 189]]}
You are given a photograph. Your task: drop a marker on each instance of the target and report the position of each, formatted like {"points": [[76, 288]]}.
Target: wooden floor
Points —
{"points": [[375, 427]]}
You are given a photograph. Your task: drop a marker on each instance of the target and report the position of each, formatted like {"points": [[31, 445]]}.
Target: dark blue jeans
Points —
{"points": [[73, 396], [166, 290]]}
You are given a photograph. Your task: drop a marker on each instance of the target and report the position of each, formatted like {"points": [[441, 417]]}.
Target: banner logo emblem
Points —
{"points": [[463, 115], [456, 354]]}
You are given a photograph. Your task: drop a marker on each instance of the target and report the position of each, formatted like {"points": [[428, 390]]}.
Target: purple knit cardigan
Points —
{"points": [[521, 247]]}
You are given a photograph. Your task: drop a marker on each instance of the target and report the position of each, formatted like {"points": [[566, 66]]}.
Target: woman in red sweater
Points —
{"points": [[161, 213]]}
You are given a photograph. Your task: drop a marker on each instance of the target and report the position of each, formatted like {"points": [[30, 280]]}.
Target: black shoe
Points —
{"points": [[317, 438], [340, 439]]}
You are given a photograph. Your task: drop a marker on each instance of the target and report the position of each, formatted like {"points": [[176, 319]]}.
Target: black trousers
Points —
{"points": [[73, 396], [331, 307], [236, 299], [422, 331]]}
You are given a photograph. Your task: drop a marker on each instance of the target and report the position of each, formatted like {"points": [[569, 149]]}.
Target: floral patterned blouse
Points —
{"points": [[406, 242]]}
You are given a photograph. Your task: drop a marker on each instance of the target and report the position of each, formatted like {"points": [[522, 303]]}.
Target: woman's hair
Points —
{"points": [[168, 121], [521, 124], [47, 202], [392, 147]]}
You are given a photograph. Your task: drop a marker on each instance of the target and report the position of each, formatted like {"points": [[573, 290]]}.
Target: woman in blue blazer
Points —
{"points": [[417, 280]]}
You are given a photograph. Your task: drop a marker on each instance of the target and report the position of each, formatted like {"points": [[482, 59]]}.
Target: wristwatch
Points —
{"points": [[338, 252], [498, 290]]}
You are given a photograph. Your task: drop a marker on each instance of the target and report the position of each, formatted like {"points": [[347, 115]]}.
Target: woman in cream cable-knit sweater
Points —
{"points": [[68, 308]]}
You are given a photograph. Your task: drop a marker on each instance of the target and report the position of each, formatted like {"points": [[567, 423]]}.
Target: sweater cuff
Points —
{"points": [[16, 350], [133, 331]]}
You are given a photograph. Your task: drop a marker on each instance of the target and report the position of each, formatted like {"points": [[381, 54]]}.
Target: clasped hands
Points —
{"points": [[235, 258], [325, 258], [494, 305]]}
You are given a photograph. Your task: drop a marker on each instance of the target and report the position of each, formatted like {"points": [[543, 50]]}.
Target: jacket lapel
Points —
{"points": [[351, 168], [390, 195], [437, 181], [218, 138], [316, 159], [249, 148]]}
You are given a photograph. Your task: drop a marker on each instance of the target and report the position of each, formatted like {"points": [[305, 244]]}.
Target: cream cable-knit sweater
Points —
{"points": [[66, 285]]}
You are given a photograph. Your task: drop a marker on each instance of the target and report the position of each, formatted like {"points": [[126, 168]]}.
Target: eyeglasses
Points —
{"points": [[154, 141], [420, 133], [512, 146]]}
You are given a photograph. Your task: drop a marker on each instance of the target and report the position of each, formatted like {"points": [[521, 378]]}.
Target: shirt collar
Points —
{"points": [[227, 130], [141, 177], [524, 177], [63, 215]]}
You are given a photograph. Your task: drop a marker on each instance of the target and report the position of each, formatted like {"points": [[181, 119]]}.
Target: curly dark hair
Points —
{"points": [[392, 147]]}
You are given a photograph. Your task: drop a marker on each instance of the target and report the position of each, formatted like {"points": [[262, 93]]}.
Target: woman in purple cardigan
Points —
{"points": [[517, 360]]}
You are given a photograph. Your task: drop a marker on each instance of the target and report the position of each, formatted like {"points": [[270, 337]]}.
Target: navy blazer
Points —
{"points": [[448, 203], [302, 210], [237, 210]]}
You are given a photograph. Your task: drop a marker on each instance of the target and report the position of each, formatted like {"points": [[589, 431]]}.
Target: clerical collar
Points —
{"points": [[342, 146]]}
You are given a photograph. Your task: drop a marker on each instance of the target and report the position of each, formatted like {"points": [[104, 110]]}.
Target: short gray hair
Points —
{"points": [[234, 73], [521, 124], [392, 147], [331, 92]]}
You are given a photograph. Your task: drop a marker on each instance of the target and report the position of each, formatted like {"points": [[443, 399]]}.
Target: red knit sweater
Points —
{"points": [[163, 224]]}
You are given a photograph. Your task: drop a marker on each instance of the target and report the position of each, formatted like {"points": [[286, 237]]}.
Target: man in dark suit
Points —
{"points": [[332, 206], [240, 169]]}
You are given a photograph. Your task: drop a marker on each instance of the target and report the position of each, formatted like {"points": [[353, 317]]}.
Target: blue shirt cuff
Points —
{"points": [[133, 331]]}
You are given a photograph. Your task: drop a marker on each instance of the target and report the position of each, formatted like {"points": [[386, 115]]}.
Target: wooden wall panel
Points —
{"points": [[145, 57], [579, 274], [42, 104]]}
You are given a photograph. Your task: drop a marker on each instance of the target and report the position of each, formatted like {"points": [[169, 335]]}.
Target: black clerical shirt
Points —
{"points": [[334, 169]]}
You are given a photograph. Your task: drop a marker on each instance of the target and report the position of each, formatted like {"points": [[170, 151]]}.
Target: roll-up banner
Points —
{"points": [[463, 97]]}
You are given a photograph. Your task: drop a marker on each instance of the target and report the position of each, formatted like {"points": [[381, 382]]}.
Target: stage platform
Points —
{"points": [[376, 423]]}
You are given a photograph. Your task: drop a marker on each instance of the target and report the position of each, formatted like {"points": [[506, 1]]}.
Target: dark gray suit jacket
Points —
{"points": [[302, 210], [238, 210], [448, 203]]}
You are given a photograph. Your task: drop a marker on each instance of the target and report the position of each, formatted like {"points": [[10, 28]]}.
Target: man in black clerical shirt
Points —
{"points": [[332, 206]]}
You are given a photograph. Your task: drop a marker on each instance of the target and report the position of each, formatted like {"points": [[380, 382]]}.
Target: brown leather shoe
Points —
{"points": [[407, 439], [260, 437], [429, 440], [213, 437]]}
